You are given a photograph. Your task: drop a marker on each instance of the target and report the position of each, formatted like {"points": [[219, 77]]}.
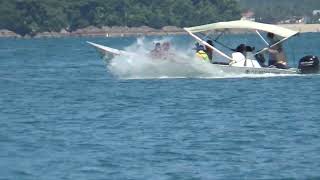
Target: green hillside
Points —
{"points": [[33, 16]]}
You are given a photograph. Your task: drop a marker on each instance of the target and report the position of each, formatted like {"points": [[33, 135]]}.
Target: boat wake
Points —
{"points": [[181, 65]]}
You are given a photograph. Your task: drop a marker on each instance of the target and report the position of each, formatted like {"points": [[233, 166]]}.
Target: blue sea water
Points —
{"points": [[63, 115]]}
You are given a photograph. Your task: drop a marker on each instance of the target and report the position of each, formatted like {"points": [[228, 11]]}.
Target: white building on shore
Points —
{"points": [[316, 12]]}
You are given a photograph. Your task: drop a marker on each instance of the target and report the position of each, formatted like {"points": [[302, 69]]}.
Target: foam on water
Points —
{"points": [[181, 65]]}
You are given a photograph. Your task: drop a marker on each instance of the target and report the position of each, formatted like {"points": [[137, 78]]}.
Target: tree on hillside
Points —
{"points": [[33, 16]]}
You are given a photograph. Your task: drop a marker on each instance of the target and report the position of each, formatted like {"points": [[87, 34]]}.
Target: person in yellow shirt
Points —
{"points": [[201, 53]]}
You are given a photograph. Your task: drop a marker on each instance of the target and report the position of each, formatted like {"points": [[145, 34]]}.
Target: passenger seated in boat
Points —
{"points": [[200, 52], [166, 46], [277, 57], [261, 60], [209, 51], [166, 50], [251, 59], [156, 53], [239, 57], [258, 57], [249, 52]]}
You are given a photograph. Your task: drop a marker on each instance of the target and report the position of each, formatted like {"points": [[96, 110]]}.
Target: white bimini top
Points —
{"points": [[244, 24]]}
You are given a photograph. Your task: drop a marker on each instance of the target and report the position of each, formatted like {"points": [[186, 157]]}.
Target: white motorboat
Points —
{"points": [[248, 65]]}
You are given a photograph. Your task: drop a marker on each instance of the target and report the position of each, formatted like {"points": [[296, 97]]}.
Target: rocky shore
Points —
{"points": [[92, 31], [135, 31]]}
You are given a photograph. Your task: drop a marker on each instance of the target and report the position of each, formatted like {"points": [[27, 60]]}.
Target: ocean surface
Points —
{"points": [[65, 114]]}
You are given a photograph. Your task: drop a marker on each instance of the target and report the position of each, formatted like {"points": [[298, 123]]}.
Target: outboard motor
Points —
{"points": [[309, 65]]}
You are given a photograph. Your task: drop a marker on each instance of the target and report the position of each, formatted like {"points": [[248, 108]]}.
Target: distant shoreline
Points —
{"points": [[303, 28], [134, 31], [92, 31]]}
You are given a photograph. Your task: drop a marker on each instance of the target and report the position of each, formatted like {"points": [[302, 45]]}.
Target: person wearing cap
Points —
{"points": [[201, 53]]}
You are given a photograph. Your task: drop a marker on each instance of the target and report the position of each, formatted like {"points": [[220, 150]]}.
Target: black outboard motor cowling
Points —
{"points": [[309, 65]]}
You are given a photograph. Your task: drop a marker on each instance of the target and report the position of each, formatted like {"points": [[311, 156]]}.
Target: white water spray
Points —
{"points": [[180, 65]]}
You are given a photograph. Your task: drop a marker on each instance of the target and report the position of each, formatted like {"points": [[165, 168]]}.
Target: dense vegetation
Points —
{"points": [[276, 10], [33, 16]]}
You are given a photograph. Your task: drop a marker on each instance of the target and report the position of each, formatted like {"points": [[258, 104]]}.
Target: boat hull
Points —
{"points": [[251, 70], [109, 53]]}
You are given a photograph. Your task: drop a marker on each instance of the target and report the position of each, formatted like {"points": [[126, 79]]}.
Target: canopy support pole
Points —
{"points": [[211, 47], [265, 49], [218, 37], [262, 38], [216, 40]]}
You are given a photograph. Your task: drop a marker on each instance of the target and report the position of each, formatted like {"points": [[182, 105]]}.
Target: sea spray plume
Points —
{"points": [[183, 64], [141, 66]]}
